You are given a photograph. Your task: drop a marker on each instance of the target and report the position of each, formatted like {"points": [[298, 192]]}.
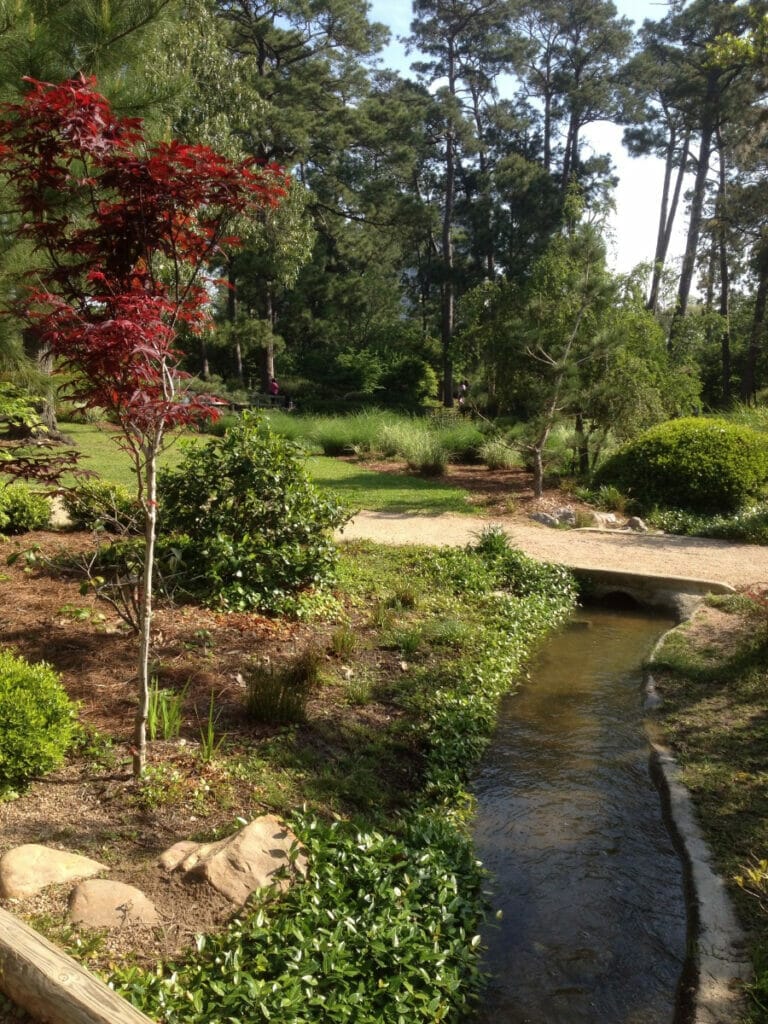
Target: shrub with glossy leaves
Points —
{"points": [[21, 509], [702, 465], [38, 720], [252, 530]]}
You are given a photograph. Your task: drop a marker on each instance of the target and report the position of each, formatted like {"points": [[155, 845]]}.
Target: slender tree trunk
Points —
{"points": [[446, 312], [582, 446], [449, 286], [697, 206], [748, 385], [667, 215], [43, 358], [267, 354], [725, 276], [205, 367], [232, 319], [145, 611]]}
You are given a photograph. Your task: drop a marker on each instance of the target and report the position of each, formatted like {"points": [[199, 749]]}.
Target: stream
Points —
{"points": [[569, 824]]}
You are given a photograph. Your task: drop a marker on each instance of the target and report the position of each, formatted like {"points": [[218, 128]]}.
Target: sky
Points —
{"points": [[638, 193]]}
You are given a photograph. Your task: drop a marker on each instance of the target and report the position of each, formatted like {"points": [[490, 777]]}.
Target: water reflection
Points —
{"points": [[569, 824]]}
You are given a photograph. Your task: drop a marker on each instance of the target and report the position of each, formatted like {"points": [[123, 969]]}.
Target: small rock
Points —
{"points": [[566, 516], [238, 865], [171, 858], [545, 518], [101, 903], [605, 520], [27, 869]]}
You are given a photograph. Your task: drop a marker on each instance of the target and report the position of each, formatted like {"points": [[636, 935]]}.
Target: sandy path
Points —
{"points": [[657, 554]]}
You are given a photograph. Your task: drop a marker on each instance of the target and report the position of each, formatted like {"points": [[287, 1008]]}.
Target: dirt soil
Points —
{"points": [[92, 806]]}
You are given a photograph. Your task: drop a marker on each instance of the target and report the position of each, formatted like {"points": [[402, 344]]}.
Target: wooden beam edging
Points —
{"points": [[53, 987]]}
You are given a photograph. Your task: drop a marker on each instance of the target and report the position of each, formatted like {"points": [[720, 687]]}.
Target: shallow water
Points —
{"points": [[569, 823]]}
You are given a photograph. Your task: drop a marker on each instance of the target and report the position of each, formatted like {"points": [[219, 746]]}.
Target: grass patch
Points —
{"points": [[386, 492], [358, 487], [102, 454], [714, 685]]}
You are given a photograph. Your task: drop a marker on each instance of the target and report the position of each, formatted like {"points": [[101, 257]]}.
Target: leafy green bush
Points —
{"points": [[701, 465], [98, 504], [22, 510], [749, 525], [249, 528], [38, 720]]}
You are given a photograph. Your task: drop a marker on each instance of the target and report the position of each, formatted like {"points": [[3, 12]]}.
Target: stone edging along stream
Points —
{"points": [[719, 967]]}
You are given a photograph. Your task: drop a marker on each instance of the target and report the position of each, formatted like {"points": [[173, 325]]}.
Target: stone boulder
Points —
{"points": [[605, 520], [545, 518], [27, 869], [101, 903], [636, 523], [566, 516], [240, 864]]}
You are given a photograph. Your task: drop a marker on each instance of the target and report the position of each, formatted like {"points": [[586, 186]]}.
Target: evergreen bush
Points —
{"points": [[250, 529], [701, 465], [22, 510], [38, 720], [98, 504]]}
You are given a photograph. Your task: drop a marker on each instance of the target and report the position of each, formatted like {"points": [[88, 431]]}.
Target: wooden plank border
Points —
{"points": [[51, 986]]}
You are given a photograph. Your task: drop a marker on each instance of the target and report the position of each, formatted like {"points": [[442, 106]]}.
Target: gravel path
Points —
{"points": [[654, 554]]}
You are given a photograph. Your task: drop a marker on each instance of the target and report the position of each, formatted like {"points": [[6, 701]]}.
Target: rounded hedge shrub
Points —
{"points": [[249, 528], [38, 720], [22, 510], [702, 465]]}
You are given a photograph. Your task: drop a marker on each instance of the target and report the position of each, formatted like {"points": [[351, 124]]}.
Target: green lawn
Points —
{"points": [[386, 492], [101, 453], [358, 487]]}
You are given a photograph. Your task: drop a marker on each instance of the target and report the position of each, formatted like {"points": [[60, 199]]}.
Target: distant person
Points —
{"points": [[274, 387]]}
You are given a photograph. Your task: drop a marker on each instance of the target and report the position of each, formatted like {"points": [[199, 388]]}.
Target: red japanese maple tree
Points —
{"points": [[126, 231]]}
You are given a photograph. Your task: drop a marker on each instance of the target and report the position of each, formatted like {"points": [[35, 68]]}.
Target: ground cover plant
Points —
{"points": [[379, 758], [711, 675]]}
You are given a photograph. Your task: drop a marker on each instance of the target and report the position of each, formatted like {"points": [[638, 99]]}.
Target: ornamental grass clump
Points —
{"points": [[700, 465], [278, 694], [38, 721]]}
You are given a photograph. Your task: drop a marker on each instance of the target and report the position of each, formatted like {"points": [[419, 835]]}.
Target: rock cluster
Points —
{"points": [[600, 520], [263, 853]]}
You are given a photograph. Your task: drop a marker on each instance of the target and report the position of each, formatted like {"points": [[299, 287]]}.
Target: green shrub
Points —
{"points": [[98, 504], [22, 509], [701, 465], [748, 525], [38, 720], [249, 528]]}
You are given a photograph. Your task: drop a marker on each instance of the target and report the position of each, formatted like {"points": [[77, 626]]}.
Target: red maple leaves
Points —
{"points": [[127, 231]]}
